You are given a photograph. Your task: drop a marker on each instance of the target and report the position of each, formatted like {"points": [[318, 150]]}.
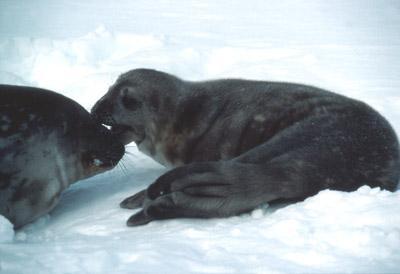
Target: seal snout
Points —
{"points": [[101, 112], [106, 153]]}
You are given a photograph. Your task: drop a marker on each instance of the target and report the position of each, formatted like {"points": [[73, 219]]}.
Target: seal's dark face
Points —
{"points": [[121, 109], [132, 107], [56, 121]]}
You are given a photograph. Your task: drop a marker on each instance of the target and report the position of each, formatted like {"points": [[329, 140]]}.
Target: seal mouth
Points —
{"points": [[125, 134], [120, 129]]}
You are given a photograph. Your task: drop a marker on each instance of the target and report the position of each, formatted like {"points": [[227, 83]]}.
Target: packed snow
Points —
{"points": [[78, 48]]}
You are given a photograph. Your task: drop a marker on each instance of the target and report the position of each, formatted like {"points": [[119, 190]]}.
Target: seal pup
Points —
{"points": [[47, 142], [236, 144]]}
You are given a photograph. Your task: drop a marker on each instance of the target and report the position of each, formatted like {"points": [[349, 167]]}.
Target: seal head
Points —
{"points": [[47, 142]]}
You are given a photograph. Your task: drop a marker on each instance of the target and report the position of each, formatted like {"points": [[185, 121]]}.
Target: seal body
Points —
{"points": [[236, 144], [47, 142]]}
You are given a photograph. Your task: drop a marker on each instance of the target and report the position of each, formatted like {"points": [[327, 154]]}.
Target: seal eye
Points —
{"points": [[130, 103]]}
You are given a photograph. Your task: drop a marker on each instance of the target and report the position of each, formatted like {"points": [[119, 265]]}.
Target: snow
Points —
{"points": [[79, 48], [6, 231]]}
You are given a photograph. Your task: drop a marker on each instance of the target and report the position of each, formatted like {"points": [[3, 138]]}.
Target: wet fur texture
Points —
{"points": [[47, 142], [236, 144]]}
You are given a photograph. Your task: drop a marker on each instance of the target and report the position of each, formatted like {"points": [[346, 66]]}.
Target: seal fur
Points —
{"points": [[236, 144], [47, 142]]}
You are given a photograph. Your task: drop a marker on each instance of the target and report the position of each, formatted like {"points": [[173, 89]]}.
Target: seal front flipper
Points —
{"points": [[207, 190], [182, 192], [138, 219], [173, 205], [134, 201]]}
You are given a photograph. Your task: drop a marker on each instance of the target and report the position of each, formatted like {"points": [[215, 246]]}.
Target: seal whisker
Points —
{"points": [[123, 166]]}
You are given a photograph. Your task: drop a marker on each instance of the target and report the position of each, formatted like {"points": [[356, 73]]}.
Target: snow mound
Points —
{"points": [[6, 231], [336, 224], [59, 63]]}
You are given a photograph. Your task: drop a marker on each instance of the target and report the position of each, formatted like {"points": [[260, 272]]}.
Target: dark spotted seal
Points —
{"points": [[237, 144], [47, 142]]}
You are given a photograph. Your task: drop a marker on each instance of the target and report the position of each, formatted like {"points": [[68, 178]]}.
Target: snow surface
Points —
{"points": [[78, 48]]}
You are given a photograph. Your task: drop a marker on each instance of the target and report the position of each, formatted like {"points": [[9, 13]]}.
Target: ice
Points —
{"points": [[79, 48], [6, 231]]}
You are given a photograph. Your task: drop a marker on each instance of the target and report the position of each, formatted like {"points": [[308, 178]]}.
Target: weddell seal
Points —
{"points": [[237, 144], [47, 142]]}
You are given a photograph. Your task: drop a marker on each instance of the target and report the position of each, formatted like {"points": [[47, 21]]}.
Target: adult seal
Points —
{"points": [[47, 142], [236, 144]]}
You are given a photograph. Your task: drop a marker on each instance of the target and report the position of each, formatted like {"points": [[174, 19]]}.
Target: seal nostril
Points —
{"points": [[101, 112]]}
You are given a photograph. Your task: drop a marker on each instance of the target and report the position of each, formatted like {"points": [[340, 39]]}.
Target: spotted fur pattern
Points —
{"points": [[47, 142]]}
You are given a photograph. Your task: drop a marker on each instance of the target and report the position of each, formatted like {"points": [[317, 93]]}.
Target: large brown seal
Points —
{"points": [[237, 144], [47, 142]]}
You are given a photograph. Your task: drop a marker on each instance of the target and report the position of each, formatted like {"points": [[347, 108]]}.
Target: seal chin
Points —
{"points": [[126, 134]]}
